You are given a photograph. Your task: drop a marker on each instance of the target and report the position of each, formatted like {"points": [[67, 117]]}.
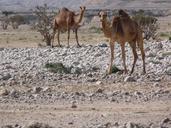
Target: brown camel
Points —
{"points": [[123, 29], [65, 21]]}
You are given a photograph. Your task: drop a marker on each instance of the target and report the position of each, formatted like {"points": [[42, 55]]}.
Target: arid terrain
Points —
{"points": [[86, 97], [80, 93]]}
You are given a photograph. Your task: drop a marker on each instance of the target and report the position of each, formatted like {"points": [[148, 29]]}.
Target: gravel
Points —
{"points": [[101, 125], [27, 65]]}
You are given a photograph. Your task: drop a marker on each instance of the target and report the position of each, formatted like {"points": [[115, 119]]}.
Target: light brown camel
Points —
{"points": [[65, 21], [123, 29]]}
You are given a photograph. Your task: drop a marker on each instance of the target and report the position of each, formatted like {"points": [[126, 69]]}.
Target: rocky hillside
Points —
{"points": [[23, 5]]}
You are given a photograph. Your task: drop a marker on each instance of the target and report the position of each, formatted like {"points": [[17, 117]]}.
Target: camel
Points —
{"points": [[65, 21], [123, 29]]}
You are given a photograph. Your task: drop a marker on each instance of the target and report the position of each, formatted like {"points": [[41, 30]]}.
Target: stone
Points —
{"points": [[136, 93], [98, 82], [166, 120], [46, 89], [7, 126], [73, 104], [99, 90], [4, 92], [14, 93], [38, 125], [6, 76], [151, 55], [129, 79], [76, 70], [37, 89], [168, 71], [103, 45], [130, 125]]}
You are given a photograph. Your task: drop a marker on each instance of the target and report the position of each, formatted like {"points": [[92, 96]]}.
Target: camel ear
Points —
{"points": [[80, 7], [98, 14], [84, 7]]}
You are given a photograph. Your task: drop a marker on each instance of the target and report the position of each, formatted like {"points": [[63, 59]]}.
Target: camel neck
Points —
{"points": [[106, 28], [79, 17]]}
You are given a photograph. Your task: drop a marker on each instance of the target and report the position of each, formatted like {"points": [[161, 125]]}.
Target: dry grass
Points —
{"points": [[25, 37]]}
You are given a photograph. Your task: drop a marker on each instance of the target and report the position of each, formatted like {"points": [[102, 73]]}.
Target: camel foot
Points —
{"points": [[125, 71], [52, 46], [59, 46], [78, 46], [109, 71], [131, 72]]}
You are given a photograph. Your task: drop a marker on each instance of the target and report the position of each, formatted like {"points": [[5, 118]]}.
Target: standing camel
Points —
{"points": [[65, 21], [123, 29]]}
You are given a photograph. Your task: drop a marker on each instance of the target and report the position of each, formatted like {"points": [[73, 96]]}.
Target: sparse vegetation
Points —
{"points": [[57, 68], [148, 24], [170, 38], [44, 24], [115, 69], [95, 29]]}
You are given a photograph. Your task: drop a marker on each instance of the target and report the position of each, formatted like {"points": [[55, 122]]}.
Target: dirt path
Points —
{"points": [[62, 115]]}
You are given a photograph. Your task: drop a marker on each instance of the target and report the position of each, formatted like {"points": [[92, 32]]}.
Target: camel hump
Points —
{"points": [[64, 9], [117, 26], [122, 13]]}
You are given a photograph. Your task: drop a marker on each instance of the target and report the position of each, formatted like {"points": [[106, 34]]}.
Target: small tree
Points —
{"points": [[44, 24], [148, 24], [5, 23], [16, 20]]}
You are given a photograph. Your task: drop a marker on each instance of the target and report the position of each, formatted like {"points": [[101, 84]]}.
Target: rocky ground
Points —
{"points": [[85, 97]]}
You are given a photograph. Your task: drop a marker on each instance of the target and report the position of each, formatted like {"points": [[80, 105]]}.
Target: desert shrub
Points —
{"points": [[5, 22], [170, 38], [4, 25], [57, 68], [6, 13], [115, 69], [44, 24], [148, 24], [17, 18], [95, 29], [163, 34]]}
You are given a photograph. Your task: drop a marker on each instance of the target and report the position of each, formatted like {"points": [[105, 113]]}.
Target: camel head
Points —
{"points": [[102, 15], [122, 13], [82, 9], [78, 17]]}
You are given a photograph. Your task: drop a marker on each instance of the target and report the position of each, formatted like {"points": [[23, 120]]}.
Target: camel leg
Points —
{"points": [[111, 57], [76, 36], [68, 36], [123, 56], [133, 47], [59, 39], [141, 46], [53, 36]]}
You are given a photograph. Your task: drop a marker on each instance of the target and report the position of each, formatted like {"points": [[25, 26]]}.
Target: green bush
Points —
{"points": [[18, 19], [170, 38], [57, 68], [163, 34], [115, 69], [95, 29]]}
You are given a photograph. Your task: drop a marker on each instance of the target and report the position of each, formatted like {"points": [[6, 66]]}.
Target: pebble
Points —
{"points": [[129, 79], [73, 104], [19, 65], [4, 92]]}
